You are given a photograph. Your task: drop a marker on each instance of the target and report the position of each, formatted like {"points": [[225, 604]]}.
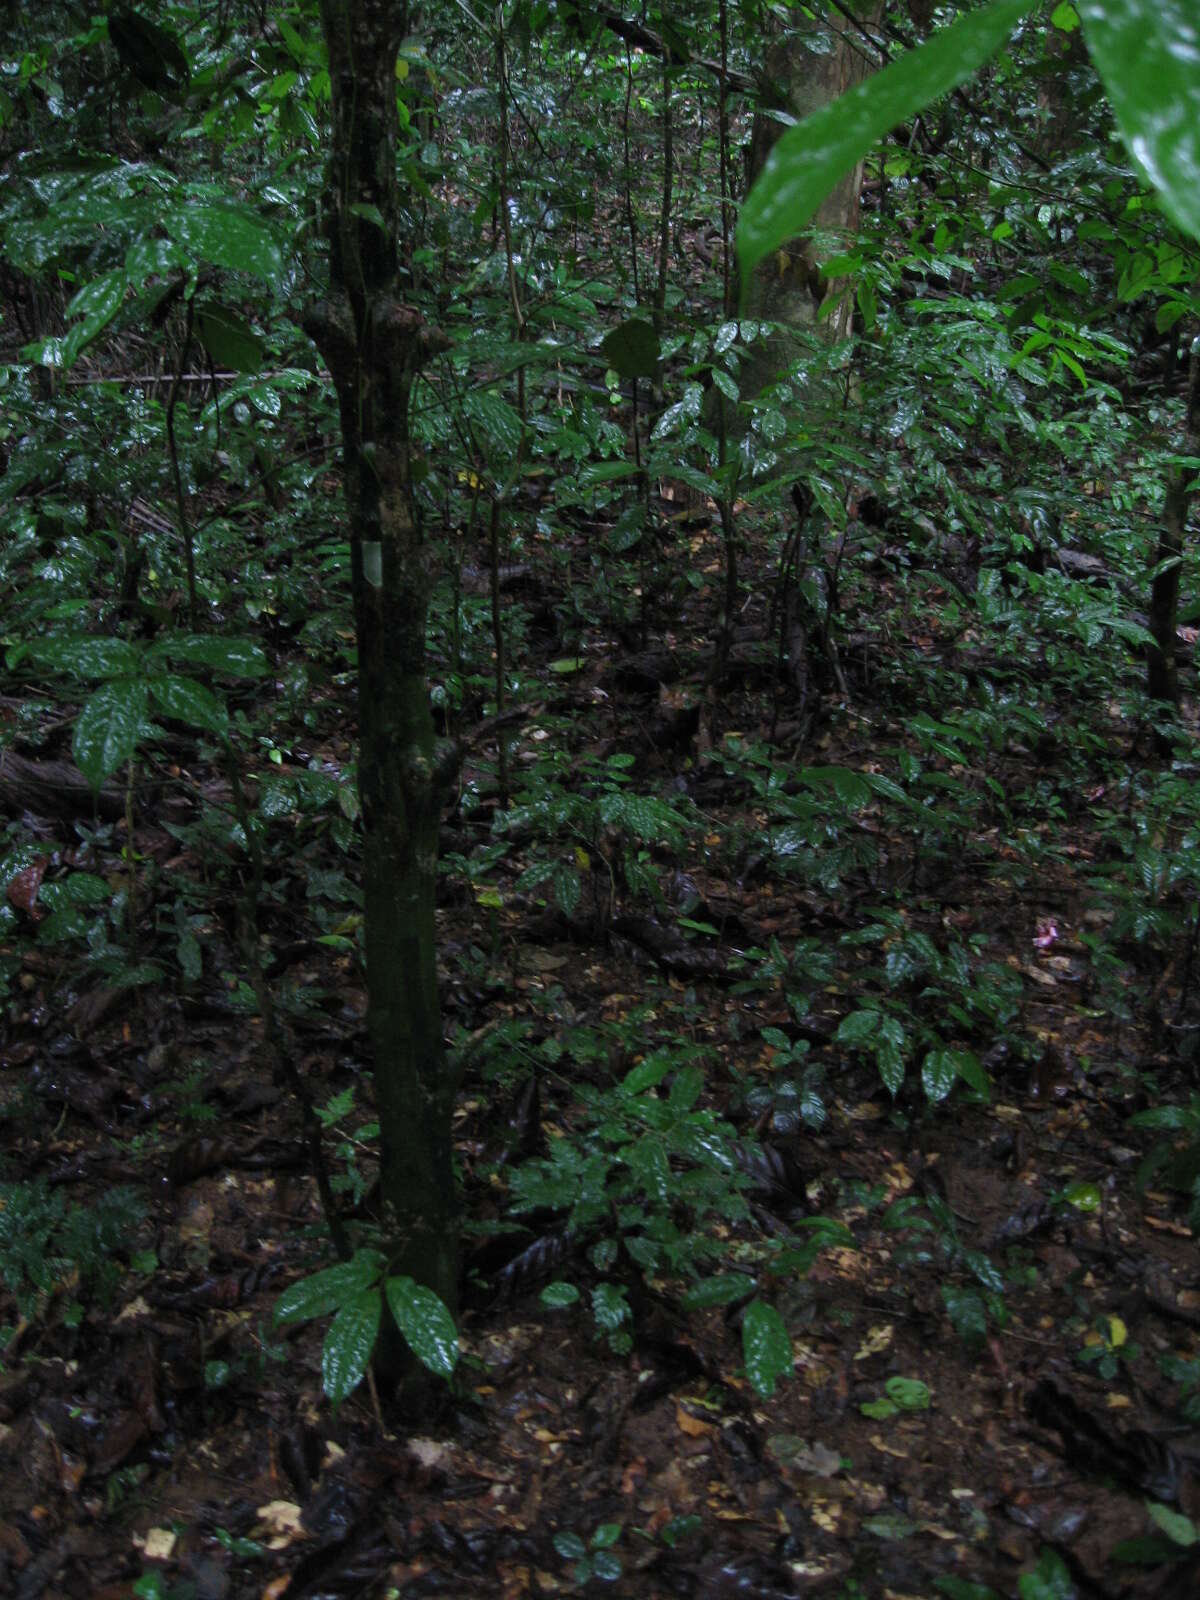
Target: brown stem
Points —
{"points": [[185, 526]]}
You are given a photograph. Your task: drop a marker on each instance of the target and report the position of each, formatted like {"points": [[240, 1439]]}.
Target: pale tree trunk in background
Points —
{"points": [[817, 60]]}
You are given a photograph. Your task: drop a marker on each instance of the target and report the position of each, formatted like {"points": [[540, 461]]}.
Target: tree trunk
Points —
{"points": [[374, 346], [1162, 677], [817, 60]]}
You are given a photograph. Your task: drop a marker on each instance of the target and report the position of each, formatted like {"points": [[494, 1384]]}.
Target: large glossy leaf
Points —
{"points": [[646, 1074], [229, 236], [229, 339], [722, 1290], [632, 349], [426, 1323], [324, 1291], [811, 158], [766, 1346], [349, 1342], [87, 657], [938, 1074], [97, 303], [152, 257], [1148, 53], [108, 728], [237, 658], [859, 1028], [152, 53], [190, 702], [497, 419]]}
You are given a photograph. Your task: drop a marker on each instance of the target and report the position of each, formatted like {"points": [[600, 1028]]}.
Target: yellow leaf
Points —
{"points": [[1117, 1333], [881, 1443], [694, 1427], [878, 1338]]}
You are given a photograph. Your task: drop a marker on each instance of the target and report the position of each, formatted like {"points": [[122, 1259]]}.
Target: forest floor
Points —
{"points": [[174, 1442]]}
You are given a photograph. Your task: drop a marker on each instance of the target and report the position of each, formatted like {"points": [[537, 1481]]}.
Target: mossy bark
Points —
{"points": [[374, 346]]}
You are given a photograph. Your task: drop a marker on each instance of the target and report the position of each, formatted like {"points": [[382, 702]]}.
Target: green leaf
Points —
{"points": [[606, 1565], [1147, 53], [1179, 1529], [425, 1321], [680, 1528], [191, 957], [152, 53], [236, 658], [570, 1546], [229, 339], [1050, 1580], [606, 472], [878, 1410], [646, 1074], [568, 890], [87, 657], [1146, 1550], [810, 159], [497, 419], [152, 258], [1083, 1196], [859, 1028], [324, 1291], [648, 1160], [910, 1394], [558, 1295], [349, 1342], [609, 1306], [938, 1073], [632, 349], [97, 303], [766, 1346], [963, 1589], [685, 1089], [606, 1535], [966, 1311], [722, 1290], [228, 235], [108, 728], [972, 1072], [190, 702], [725, 383]]}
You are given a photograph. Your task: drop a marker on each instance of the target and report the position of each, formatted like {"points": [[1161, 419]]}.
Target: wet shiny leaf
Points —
{"points": [[812, 157], [426, 1323], [349, 1343], [766, 1346], [108, 728], [1148, 53]]}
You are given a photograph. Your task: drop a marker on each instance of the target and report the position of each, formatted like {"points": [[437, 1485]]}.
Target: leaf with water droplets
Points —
{"points": [[1148, 53], [811, 158]]}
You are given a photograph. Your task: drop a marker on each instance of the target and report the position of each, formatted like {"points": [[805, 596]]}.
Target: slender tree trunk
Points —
{"points": [[1162, 678], [374, 347]]}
